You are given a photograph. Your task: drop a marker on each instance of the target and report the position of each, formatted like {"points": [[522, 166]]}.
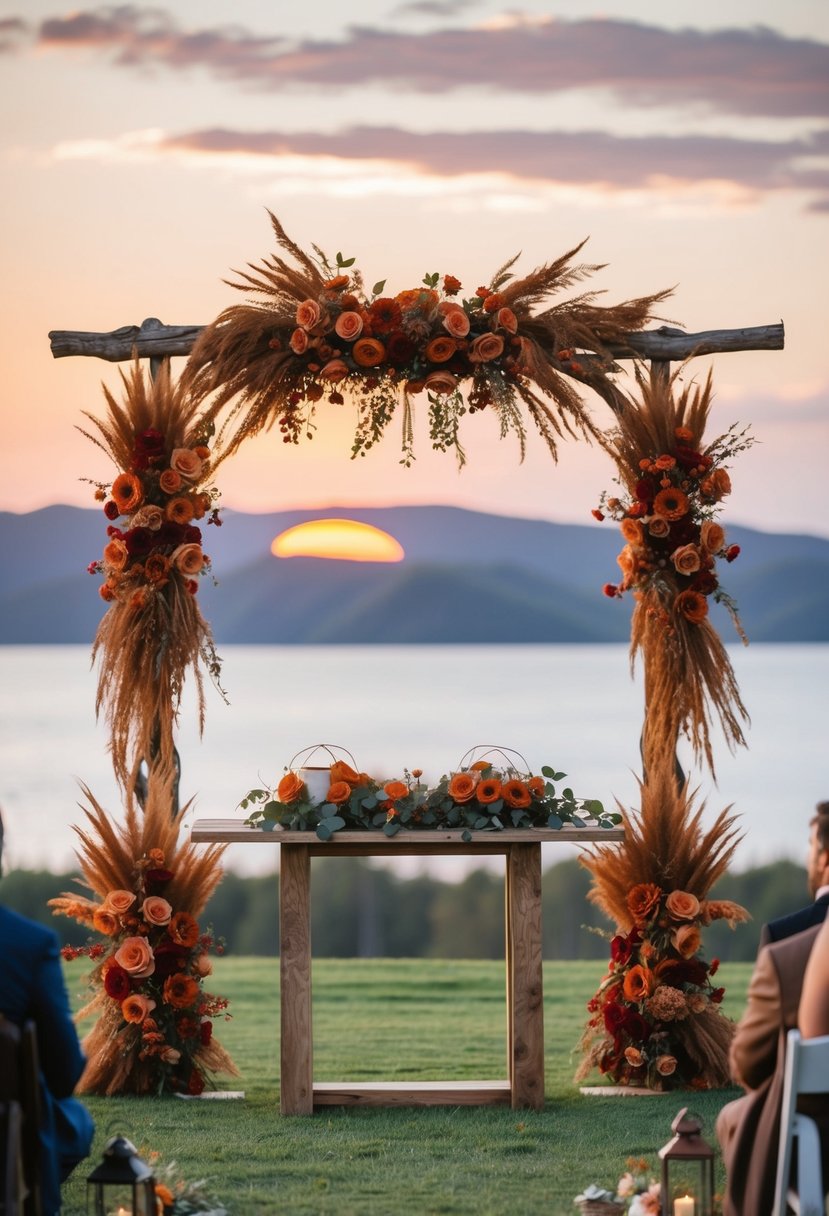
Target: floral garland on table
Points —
{"points": [[638, 1193], [673, 486], [154, 1032], [316, 331], [153, 629], [655, 1019], [479, 798]]}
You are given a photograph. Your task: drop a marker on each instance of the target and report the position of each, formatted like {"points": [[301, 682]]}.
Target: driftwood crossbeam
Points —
{"points": [[153, 340]]}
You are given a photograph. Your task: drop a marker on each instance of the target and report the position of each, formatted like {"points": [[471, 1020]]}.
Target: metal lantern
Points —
{"points": [[122, 1185], [687, 1169]]}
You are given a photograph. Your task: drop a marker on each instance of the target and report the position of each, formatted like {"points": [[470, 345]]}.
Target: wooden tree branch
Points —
{"points": [[153, 340]]}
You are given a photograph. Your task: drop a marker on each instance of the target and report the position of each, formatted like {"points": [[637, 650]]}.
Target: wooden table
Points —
{"points": [[524, 1086]]}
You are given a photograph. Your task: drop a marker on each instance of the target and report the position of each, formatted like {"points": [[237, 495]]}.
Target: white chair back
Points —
{"points": [[806, 1072]]}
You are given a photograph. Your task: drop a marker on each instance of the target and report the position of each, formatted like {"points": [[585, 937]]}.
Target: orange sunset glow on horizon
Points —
{"points": [[338, 539]]}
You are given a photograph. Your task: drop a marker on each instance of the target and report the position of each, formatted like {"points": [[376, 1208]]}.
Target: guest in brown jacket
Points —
{"points": [[748, 1129], [813, 1014]]}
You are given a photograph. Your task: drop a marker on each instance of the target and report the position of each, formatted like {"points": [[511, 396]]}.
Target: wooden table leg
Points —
{"points": [[525, 1006], [296, 1085]]}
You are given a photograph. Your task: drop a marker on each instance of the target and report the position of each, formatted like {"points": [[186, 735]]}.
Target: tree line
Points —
{"points": [[360, 910]]}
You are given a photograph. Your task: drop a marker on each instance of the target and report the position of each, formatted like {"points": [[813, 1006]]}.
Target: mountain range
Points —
{"points": [[468, 576]]}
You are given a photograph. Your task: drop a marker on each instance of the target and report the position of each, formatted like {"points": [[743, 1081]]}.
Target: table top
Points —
{"points": [[236, 831]]}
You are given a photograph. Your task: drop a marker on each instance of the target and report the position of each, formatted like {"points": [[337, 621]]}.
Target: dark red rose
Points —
{"points": [[140, 541], [705, 582], [170, 534], [638, 1028], [717, 995], [683, 531], [149, 447], [188, 1028], [192, 535], [156, 878], [195, 1084], [615, 1017], [114, 533], [111, 509], [168, 956], [732, 552], [715, 966], [399, 348], [205, 1033], [645, 489], [620, 950], [689, 459], [117, 983]]}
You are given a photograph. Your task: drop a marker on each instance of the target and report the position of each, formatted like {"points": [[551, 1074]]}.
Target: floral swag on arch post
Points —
{"points": [[314, 333]]}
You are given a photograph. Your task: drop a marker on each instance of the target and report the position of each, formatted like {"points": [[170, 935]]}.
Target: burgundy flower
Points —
{"points": [[195, 1084], [399, 348], [117, 983], [205, 1033], [620, 950], [139, 541], [111, 509], [705, 583], [638, 1028], [149, 447], [615, 1017], [689, 459], [170, 534], [192, 535], [168, 955], [156, 878], [645, 490]]}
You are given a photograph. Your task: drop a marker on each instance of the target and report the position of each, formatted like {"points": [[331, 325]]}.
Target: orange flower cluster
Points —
{"points": [[162, 496], [657, 978], [671, 538], [152, 967]]}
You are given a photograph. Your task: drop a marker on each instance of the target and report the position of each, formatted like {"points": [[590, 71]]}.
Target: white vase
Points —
{"points": [[317, 782]]}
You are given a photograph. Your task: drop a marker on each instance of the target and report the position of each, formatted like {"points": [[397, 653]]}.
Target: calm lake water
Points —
{"points": [[574, 707]]}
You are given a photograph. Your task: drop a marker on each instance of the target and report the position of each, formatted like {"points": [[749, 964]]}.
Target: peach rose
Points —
{"points": [[697, 1002], [299, 341], [440, 349], [203, 964], [686, 940], [682, 905], [149, 516], [156, 568], [712, 536], [170, 481], [189, 558], [686, 559], [634, 1057], [368, 352], [187, 463], [440, 382], [180, 510], [692, 605], [170, 1055], [119, 901], [136, 957], [105, 921], [505, 319], [116, 555], [643, 899], [290, 788], [334, 370], [307, 314], [455, 320], [631, 530], [136, 1007], [348, 326], [485, 348], [666, 1065], [338, 792], [657, 526], [720, 483], [156, 910]]}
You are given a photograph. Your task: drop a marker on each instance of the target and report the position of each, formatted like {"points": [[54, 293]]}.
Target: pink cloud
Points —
{"points": [[742, 71]]}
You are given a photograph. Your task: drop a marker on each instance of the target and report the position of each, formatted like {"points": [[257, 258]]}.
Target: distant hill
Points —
{"points": [[468, 576]]}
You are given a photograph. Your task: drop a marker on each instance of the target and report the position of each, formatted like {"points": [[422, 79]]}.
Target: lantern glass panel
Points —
{"points": [[687, 1189], [122, 1199]]}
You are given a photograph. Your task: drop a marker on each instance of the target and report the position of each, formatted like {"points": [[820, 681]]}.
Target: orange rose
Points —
{"points": [[638, 983], [183, 929], [334, 370], [290, 788], [136, 957], [631, 530], [119, 901], [686, 559], [187, 463], [156, 910], [307, 314], [712, 536], [440, 349], [692, 605], [189, 558], [338, 283], [157, 568], [299, 341], [721, 483], [488, 790], [642, 899], [516, 794], [170, 481], [165, 1195], [537, 786], [485, 348], [455, 320], [634, 1057], [105, 921], [682, 905], [368, 352], [338, 792], [506, 319], [136, 1007], [179, 510], [686, 940], [462, 787], [671, 503], [440, 382], [127, 492], [395, 790], [180, 990], [348, 326], [340, 771], [116, 555], [657, 526]]}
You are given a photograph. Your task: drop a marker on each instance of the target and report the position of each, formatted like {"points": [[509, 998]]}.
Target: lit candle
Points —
{"points": [[684, 1206]]}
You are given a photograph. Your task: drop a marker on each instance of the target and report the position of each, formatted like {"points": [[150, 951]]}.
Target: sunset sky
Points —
{"points": [[142, 145]]}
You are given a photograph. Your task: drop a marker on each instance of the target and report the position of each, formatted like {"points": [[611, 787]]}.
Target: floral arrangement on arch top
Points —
{"points": [[315, 331], [479, 797]]}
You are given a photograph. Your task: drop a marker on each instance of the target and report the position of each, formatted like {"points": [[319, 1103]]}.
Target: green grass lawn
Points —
{"points": [[390, 1019]]}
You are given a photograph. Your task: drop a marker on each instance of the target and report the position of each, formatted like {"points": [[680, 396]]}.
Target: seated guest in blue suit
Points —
{"points": [[817, 873], [31, 986]]}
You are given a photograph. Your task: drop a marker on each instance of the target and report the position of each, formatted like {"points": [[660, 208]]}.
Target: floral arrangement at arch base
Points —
{"points": [[153, 630], [672, 486], [478, 797], [154, 1032], [314, 332], [655, 1020]]}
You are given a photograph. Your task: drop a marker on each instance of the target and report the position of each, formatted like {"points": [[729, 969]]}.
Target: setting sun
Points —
{"points": [[341, 539]]}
